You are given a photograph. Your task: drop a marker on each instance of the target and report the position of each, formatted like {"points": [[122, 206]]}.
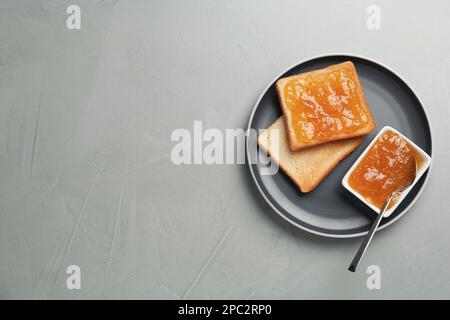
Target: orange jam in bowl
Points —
{"points": [[387, 166]]}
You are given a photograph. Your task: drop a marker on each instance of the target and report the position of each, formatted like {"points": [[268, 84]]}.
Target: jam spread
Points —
{"points": [[386, 167], [322, 104]]}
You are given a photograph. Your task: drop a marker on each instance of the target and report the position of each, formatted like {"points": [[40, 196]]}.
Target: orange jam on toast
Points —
{"points": [[325, 103]]}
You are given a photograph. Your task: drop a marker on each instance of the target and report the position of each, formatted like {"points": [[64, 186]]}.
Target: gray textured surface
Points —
{"points": [[85, 171]]}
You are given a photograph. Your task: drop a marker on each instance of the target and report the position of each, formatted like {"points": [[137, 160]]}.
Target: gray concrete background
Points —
{"points": [[85, 170]]}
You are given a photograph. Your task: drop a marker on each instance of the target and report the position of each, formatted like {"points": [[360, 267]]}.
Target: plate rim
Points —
{"points": [[324, 234]]}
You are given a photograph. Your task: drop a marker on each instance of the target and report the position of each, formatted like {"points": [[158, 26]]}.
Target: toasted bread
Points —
{"points": [[307, 167], [324, 105]]}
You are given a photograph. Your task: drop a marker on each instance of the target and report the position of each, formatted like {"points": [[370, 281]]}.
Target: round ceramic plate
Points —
{"points": [[330, 210]]}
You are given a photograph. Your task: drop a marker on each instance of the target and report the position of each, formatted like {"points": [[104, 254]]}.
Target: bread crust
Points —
{"points": [[298, 145], [308, 167]]}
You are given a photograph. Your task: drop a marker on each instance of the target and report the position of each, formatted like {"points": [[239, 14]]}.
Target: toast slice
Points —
{"points": [[324, 105], [307, 167]]}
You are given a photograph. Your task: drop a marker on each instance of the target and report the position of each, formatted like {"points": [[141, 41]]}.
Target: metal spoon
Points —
{"points": [[362, 249]]}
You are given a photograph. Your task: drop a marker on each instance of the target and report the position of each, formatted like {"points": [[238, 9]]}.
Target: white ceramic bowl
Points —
{"points": [[425, 165]]}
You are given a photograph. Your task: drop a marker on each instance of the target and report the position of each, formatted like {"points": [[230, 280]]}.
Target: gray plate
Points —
{"points": [[330, 210]]}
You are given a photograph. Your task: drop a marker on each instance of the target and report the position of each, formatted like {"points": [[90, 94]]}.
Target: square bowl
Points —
{"points": [[421, 170]]}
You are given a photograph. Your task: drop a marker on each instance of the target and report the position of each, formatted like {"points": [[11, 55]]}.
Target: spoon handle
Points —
{"points": [[362, 249]]}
